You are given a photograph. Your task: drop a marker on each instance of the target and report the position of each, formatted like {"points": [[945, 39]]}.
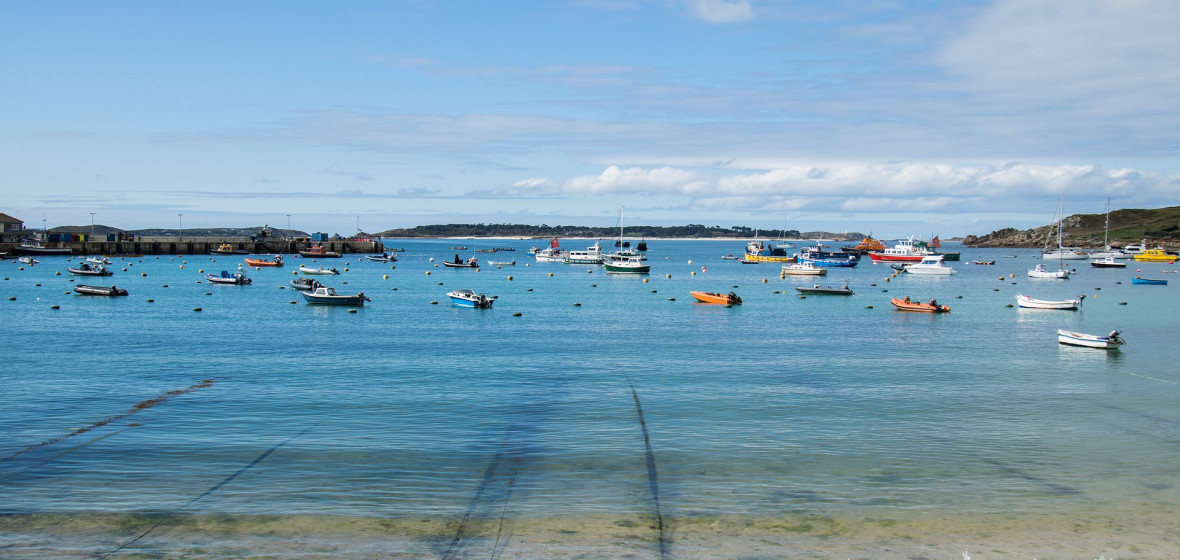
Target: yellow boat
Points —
{"points": [[1155, 255]]}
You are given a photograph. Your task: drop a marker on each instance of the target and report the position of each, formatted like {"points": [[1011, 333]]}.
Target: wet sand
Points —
{"points": [[1108, 534]]}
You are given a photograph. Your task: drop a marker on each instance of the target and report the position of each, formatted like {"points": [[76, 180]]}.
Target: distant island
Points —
{"points": [[1159, 227], [690, 231]]}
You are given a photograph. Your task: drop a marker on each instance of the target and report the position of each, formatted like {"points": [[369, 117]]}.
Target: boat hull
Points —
{"points": [[804, 270], [904, 305], [108, 291], [716, 298], [821, 291], [1089, 340], [1027, 302], [1148, 281]]}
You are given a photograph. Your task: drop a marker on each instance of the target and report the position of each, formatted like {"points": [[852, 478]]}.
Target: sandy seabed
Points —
{"points": [[1110, 535]]}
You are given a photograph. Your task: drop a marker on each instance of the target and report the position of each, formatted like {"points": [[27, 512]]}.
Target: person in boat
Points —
{"points": [[457, 261], [907, 299]]}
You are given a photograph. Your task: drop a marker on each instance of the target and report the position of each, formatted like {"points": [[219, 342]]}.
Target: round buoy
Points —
{"points": [[703, 269], [590, 271], [550, 274], [143, 274], [694, 273], [200, 271], [385, 277], [428, 273], [645, 280], [667, 276], [509, 278], [763, 280], [689, 261]]}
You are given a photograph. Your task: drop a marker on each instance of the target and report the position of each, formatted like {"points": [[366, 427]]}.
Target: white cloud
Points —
{"points": [[721, 11]]}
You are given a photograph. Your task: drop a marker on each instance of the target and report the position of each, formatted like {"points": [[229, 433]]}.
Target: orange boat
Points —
{"points": [[712, 297], [263, 262], [908, 305]]}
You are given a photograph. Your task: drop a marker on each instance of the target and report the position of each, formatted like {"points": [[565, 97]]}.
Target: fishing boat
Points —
{"points": [[825, 290], [592, 255], [1027, 302], [457, 263], [1155, 255], [33, 247], [324, 295], [87, 270], [765, 251], [716, 298], [265, 263], [552, 253], [1107, 262], [228, 249], [318, 252], [383, 257], [237, 278], [866, 246], [1108, 342], [625, 263], [1148, 281], [819, 257], [906, 250], [318, 270], [112, 291], [803, 269], [468, 298], [929, 265], [305, 284], [907, 304]]}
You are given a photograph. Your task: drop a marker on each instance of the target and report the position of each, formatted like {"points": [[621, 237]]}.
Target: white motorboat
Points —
{"points": [[803, 269], [1108, 342], [592, 255], [318, 270], [929, 265], [1033, 303], [1041, 272], [1065, 254], [1106, 262], [468, 298], [328, 296]]}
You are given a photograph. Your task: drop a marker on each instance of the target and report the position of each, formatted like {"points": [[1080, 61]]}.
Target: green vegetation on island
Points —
{"points": [[1159, 226]]}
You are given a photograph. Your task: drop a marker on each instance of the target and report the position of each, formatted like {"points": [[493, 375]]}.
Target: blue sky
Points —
{"points": [[895, 117]]}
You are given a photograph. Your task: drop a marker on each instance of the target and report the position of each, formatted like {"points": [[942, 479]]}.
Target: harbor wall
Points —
{"points": [[205, 245]]}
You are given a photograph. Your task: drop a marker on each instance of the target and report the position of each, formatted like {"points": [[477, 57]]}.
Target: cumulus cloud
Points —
{"points": [[862, 187], [721, 11]]}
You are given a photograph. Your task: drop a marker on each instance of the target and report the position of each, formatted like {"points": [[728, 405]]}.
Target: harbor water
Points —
{"points": [[586, 415]]}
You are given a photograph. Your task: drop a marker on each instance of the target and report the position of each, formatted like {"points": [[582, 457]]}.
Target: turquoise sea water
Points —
{"points": [[637, 403]]}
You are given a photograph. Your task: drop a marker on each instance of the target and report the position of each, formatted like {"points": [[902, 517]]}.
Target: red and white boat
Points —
{"points": [[906, 250]]}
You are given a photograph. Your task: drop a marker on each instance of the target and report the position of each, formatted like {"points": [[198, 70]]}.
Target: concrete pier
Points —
{"points": [[206, 245]]}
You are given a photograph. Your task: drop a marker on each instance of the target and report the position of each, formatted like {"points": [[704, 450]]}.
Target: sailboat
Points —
{"points": [[1106, 257], [1041, 271], [622, 263]]}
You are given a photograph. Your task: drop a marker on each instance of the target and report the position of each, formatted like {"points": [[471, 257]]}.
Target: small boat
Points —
{"points": [[228, 249], [1027, 302], [552, 253], [318, 252], [27, 260], [825, 291], [272, 263], [626, 265], [459, 248], [468, 298], [1041, 272], [469, 263], [730, 257], [713, 297], [98, 260], [1107, 262], [318, 270], [237, 278], [909, 305], [906, 250], [1109, 342], [383, 257], [1155, 255], [85, 290], [87, 270], [502, 263], [1149, 281], [1065, 253], [324, 295], [983, 262], [592, 255], [305, 284], [765, 251], [803, 269], [929, 265]]}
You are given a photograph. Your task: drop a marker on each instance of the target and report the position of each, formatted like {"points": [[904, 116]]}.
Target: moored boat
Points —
{"points": [[765, 251], [264, 263], [983, 262], [592, 255], [468, 298], [502, 263], [626, 265], [1041, 272], [112, 290], [866, 246], [907, 304], [237, 278], [1148, 281], [1027, 302], [87, 270], [305, 284], [457, 263], [27, 260], [228, 249], [324, 295], [33, 247], [1107, 262], [929, 265], [803, 269], [318, 270], [98, 260], [552, 253], [1155, 255], [717, 298], [383, 257], [828, 290], [1108, 342], [906, 250], [318, 252]]}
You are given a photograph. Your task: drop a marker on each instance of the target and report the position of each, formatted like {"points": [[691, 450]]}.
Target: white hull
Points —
{"points": [[1066, 255], [1033, 303], [1041, 272], [317, 271], [804, 270], [1089, 340]]}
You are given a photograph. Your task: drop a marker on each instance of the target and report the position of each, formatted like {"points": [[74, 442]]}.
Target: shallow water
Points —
{"points": [[638, 422]]}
